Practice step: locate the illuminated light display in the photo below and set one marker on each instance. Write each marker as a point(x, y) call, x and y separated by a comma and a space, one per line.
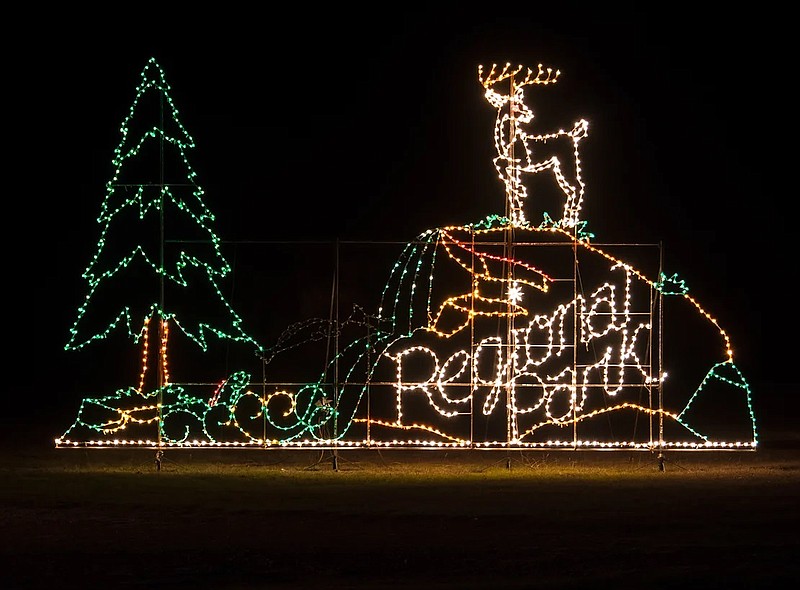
point(132, 282)
point(518, 152)
point(498, 334)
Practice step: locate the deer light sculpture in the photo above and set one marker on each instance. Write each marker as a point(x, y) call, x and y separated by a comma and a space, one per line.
point(520, 152)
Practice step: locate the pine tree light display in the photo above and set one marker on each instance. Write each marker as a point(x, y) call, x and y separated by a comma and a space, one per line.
point(147, 286)
point(496, 334)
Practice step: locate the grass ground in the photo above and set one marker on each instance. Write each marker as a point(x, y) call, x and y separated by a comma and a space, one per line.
point(75, 518)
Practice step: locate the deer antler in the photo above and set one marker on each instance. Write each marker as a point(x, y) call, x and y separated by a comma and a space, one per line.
point(543, 76)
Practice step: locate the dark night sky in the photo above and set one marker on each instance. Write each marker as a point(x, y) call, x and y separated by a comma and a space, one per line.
point(380, 122)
